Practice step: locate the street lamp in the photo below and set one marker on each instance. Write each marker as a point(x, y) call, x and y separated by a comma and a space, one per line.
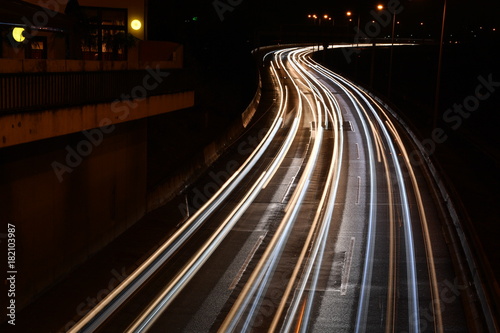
point(315, 17)
point(349, 14)
point(389, 83)
point(440, 62)
point(372, 69)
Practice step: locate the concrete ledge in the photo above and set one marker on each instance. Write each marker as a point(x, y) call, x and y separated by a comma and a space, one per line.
point(34, 65)
point(33, 126)
point(248, 114)
point(11, 66)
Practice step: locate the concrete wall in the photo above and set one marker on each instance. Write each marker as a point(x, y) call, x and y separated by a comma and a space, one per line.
point(211, 152)
point(61, 223)
point(71, 186)
point(167, 54)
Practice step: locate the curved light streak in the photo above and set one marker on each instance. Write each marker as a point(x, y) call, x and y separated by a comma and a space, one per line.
point(104, 309)
point(258, 281)
point(413, 310)
point(161, 302)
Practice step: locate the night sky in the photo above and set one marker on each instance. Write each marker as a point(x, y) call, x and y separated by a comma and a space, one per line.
point(168, 19)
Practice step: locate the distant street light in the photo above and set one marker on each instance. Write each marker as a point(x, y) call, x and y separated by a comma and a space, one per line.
point(314, 16)
point(349, 14)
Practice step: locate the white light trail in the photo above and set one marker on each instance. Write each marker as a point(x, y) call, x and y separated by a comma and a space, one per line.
point(260, 277)
point(413, 310)
point(161, 302)
point(94, 318)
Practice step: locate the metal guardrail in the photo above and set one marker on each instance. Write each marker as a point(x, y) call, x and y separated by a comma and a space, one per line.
point(21, 92)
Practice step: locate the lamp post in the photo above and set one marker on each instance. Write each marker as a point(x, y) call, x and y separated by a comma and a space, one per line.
point(389, 84)
point(314, 17)
point(349, 14)
point(438, 77)
point(372, 68)
point(325, 41)
point(325, 17)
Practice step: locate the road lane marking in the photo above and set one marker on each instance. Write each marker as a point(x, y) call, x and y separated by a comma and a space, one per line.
point(347, 267)
point(358, 197)
point(247, 261)
point(289, 187)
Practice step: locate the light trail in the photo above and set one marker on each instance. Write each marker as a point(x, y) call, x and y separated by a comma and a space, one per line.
point(164, 299)
point(318, 245)
point(368, 262)
point(413, 310)
point(258, 281)
point(304, 86)
point(104, 309)
point(437, 313)
point(320, 237)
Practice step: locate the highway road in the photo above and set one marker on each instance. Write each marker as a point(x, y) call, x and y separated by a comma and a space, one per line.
point(328, 226)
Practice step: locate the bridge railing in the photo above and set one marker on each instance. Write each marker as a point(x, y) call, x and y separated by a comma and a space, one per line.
point(22, 92)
